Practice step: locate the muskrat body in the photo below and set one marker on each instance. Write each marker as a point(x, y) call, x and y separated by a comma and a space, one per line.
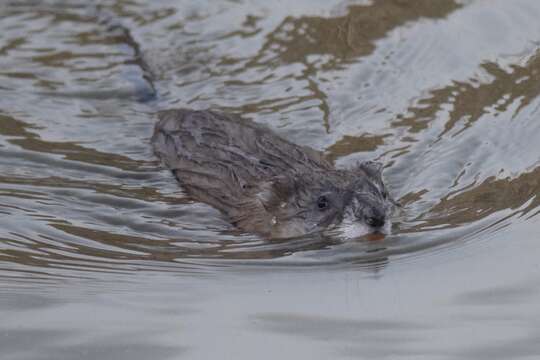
point(265, 184)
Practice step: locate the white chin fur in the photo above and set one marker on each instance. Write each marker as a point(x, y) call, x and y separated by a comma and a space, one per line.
point(354, 229)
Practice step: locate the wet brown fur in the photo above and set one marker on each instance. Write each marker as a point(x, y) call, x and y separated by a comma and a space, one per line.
point(259, 180)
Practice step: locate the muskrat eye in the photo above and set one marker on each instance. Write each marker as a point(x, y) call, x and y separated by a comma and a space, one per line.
point(322, 202)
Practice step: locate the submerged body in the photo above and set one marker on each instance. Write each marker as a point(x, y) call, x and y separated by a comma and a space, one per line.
point(265, 184)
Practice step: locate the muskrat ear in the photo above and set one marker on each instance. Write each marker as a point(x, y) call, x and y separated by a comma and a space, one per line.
point(372, 168)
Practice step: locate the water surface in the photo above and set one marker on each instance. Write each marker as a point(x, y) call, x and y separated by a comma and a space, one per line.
point(102, 255)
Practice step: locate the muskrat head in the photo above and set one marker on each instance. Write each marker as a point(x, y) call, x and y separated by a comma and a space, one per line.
point(352, 202)
point(369, 206)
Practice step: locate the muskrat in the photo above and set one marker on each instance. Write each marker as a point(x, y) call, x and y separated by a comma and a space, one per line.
point(265, 184)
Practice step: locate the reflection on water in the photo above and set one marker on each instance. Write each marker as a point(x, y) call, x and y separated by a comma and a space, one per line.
point(469, 101)
point(349, 36)
point(445, 93)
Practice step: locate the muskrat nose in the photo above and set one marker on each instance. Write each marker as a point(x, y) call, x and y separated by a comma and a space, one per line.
point(375, 221)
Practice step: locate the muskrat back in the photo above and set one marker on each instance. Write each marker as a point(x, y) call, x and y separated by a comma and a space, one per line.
point(264, 183)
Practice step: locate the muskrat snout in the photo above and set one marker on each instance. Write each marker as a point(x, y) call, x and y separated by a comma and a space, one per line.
point(375, 221)
point(375, 215)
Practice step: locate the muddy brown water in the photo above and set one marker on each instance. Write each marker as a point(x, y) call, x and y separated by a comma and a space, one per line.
point(102, 256)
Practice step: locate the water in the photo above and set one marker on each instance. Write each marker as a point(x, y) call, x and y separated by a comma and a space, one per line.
point(103, 256)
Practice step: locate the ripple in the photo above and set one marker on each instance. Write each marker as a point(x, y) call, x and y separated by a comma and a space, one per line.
point(82, 196)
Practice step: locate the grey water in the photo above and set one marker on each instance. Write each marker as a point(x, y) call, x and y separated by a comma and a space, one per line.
point(103, 256)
